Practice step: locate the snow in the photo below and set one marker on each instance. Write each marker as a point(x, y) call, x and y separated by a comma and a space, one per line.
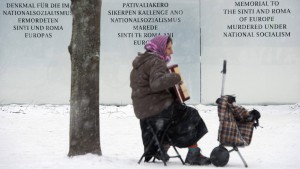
point(37, 137)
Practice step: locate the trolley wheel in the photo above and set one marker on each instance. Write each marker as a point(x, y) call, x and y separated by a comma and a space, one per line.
point(219, 156)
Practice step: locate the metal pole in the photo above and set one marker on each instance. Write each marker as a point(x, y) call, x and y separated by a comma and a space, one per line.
point(246, 165)
point(223, 80)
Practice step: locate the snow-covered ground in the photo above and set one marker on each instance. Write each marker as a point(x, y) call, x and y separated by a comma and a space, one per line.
point(37, 137)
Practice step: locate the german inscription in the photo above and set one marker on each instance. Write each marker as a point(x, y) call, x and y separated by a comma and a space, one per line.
point(37, 20)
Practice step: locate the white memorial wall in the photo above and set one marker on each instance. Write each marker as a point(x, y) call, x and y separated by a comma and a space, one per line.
point(259, 39)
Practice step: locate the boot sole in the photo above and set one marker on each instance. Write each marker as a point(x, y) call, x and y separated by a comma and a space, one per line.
point(196, 163)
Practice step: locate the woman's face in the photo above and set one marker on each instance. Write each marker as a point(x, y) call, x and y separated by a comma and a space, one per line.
point(169, 49)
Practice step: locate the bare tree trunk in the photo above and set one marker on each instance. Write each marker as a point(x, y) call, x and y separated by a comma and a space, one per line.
point(85, 50)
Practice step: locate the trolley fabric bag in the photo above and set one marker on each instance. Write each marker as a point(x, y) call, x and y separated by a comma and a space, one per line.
point(234, 129)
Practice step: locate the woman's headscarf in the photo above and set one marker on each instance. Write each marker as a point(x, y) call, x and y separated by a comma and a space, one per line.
point(158, 45)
